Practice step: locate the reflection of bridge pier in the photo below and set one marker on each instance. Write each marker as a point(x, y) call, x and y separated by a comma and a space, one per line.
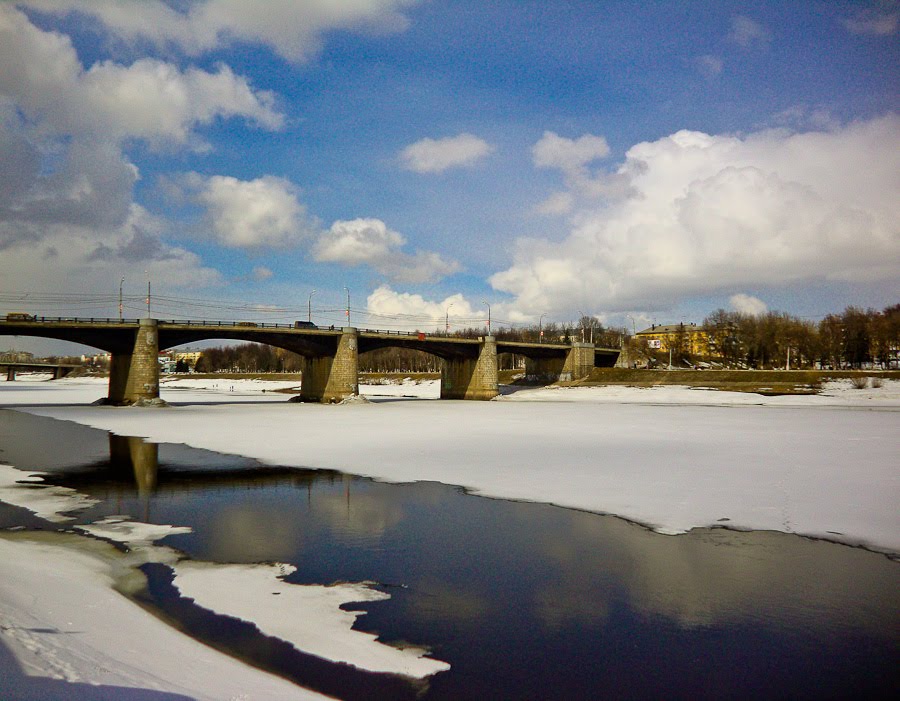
point(331, 356)
point(130, 454)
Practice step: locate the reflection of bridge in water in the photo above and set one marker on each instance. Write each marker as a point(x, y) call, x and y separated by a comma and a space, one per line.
point(134, 464)
point(330, 356)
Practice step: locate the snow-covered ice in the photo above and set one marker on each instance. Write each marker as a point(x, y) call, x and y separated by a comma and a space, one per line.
point(672, 458)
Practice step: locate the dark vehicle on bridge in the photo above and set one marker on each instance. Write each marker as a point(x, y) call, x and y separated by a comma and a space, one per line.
point(247, 323)
point(304, 325)
point(19, 316)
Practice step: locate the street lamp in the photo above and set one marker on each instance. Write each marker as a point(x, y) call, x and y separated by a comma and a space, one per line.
point(484, 301)
point(541, 328)
point(633, 329)
point(581, 319)
point(309, 306)
point(447, 319)
point(348, 305)
point(121, 282)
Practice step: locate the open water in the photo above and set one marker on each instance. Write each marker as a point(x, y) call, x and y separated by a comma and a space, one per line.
point(525, 601)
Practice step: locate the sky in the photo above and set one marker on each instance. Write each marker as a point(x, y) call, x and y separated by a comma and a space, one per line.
point(637, 162)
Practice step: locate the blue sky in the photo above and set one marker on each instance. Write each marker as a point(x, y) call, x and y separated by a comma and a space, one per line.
point(649, 160)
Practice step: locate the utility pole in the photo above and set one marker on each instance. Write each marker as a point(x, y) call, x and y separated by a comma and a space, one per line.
point(447, 319)
point(121, 282)
point(348, 305)
point(148, 293)
point(309, 306)
point(489, 315)
point(541, 328)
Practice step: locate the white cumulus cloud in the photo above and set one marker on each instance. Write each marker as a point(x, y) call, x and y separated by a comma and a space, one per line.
point(149, 99)
point(707, 213)
point(404, 311)
point(709, 66)
point(573, 157)
point(874, 22)
point(371, 242)
point(292, 28)
point(568, 155)
point(748, 32)
point(747, 304)
point(437, 155)
point(264, 212)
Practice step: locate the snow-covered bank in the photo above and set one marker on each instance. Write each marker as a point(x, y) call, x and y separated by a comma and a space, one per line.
point(73, 636)
point(815, 465)
point(836, 393)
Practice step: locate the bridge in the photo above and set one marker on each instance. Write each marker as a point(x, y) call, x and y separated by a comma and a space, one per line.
point(330, 368)
point(58, 369)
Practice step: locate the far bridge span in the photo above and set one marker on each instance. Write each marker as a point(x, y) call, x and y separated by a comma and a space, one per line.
point(331, 355)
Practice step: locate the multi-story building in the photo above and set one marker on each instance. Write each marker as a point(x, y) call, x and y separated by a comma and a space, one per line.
point(689, 338)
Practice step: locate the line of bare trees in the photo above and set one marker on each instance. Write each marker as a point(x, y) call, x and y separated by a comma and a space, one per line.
point(853, 339)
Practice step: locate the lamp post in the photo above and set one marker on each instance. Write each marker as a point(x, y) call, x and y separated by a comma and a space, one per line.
point(581, 319)
point(121, 282)
point(447, 319)
point(489, 315)
point(348, 305)
point(633, 329)
point(309, 306)
point(541, 328)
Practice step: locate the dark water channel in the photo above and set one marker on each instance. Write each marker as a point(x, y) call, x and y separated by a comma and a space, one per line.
point(525, 601)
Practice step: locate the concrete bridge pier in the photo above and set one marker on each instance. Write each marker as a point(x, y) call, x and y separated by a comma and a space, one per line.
point(134, 374)
point(575, 365)
point(472, 378)
point(332, 378)
point(11, 374)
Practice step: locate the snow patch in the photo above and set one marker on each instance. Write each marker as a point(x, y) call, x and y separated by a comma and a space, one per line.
point(309, 617)
point(26, 489)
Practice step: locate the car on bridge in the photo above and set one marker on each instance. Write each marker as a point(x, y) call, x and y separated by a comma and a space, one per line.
point(19, 316)
point(304, 325)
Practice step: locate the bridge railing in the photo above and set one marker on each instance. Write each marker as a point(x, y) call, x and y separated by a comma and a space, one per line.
point(68, 319)
point(252, 325)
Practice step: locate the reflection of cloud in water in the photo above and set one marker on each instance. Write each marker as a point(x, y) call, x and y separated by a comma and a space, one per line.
point(714, 577)
point(252, 532)
point(270, 529)
point(437, 599)
point(356, 512)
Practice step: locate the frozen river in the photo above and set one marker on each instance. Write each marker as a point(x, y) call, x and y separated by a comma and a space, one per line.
point(499, 598)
